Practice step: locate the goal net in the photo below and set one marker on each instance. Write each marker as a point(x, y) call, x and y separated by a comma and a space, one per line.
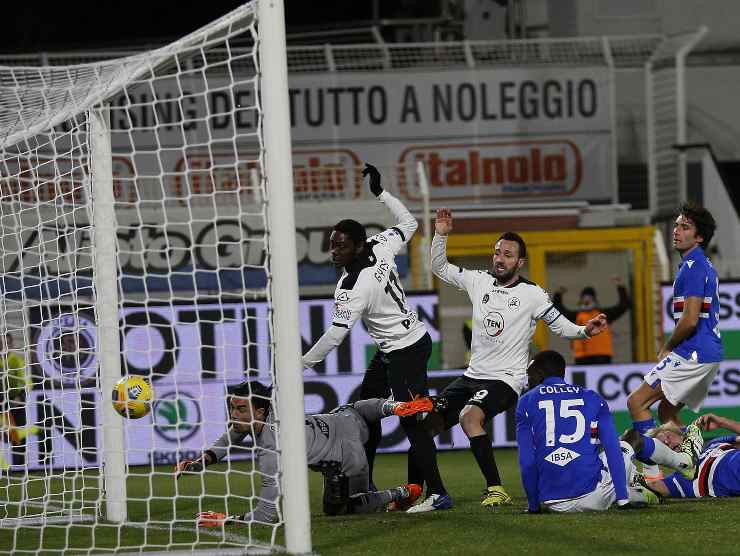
point(134, 228)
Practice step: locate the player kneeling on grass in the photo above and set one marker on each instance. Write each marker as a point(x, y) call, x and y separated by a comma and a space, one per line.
point(561, 430)
point(718, 468)
point(334, 446)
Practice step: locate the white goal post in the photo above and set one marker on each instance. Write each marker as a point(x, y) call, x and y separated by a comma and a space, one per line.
point(147, 228)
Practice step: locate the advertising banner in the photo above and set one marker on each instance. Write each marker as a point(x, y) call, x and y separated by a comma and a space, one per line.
point(729, 315)
point(176, 342)
point(189, 415)
point(180, 249)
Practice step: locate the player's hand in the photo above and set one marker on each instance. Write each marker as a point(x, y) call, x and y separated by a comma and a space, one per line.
point(189, 466)
point(709, 422)
point(372, 171)
point(212, 519)
point(443, 222)
point(596, 325)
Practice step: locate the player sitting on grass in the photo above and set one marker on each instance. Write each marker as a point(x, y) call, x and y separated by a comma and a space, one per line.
point(561, 430)
point(718, 473)
point(334, 446)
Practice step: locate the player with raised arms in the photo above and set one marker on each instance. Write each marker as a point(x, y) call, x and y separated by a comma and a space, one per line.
point(334, 447)
point(690, 358)
point(370, 289)
point(506, 308)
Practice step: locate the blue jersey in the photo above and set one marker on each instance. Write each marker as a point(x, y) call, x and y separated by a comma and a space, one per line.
point(718, 476)
point(697, 278)
point(560, 430)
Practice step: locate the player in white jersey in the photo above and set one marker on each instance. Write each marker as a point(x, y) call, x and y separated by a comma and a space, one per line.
point(369, 289)
point(506, 308)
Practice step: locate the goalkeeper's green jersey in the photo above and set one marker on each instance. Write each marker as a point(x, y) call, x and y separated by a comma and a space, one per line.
point(13, 373)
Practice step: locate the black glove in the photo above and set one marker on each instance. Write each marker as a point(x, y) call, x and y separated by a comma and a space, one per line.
point(372, 171)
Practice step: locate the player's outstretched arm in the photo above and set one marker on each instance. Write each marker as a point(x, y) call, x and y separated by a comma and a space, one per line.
point(710, 422)
point(191, 465)
point(558, 323)
point(213, 455)
point(405, 225)
point(333, 336)
point(441, 267)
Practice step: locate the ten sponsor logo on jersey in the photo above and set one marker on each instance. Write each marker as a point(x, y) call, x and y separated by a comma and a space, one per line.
point(494, 324)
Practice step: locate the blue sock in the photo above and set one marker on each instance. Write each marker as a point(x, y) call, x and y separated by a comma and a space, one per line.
point(643, 426)
point(649, 446)
point(647, 450)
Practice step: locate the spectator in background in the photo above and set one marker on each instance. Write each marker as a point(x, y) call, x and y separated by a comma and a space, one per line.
point(597, 350)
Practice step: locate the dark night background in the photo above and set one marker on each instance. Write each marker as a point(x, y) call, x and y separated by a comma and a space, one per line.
point(31, 26)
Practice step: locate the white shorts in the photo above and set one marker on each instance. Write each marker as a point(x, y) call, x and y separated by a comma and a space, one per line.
point(683, 381)
point(598, 500)
point(604, 495)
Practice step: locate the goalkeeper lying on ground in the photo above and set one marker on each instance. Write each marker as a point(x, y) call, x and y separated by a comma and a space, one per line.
point(718, 471)
point(334, 447)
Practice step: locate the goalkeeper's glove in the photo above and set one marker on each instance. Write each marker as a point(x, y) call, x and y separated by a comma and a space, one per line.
point(192, 465)
point(372, 171)
point(215, 519)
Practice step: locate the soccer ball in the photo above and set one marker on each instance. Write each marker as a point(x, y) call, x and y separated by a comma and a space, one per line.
point(132, 397)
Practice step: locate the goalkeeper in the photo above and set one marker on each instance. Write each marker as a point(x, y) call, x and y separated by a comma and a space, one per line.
point(334, 445)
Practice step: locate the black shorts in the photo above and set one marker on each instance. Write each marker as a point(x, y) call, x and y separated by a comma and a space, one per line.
point(492, 396)
point(402, 372)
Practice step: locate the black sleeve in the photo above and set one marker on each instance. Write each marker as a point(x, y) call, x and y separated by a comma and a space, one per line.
point(557, 301)
point(613, 313)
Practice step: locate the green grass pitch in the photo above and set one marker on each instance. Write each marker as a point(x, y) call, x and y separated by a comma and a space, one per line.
point(677, 527)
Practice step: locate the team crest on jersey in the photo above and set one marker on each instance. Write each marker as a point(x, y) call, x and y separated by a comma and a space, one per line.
point(494, 324)
point(486, 298)
point(343, 297)
point(562, 456)
point(514, 303)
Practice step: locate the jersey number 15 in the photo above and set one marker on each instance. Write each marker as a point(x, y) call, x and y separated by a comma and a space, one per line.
point(566, 411)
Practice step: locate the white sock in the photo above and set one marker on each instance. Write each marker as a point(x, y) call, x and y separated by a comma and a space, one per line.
point(652, 471)
point(665, 456)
